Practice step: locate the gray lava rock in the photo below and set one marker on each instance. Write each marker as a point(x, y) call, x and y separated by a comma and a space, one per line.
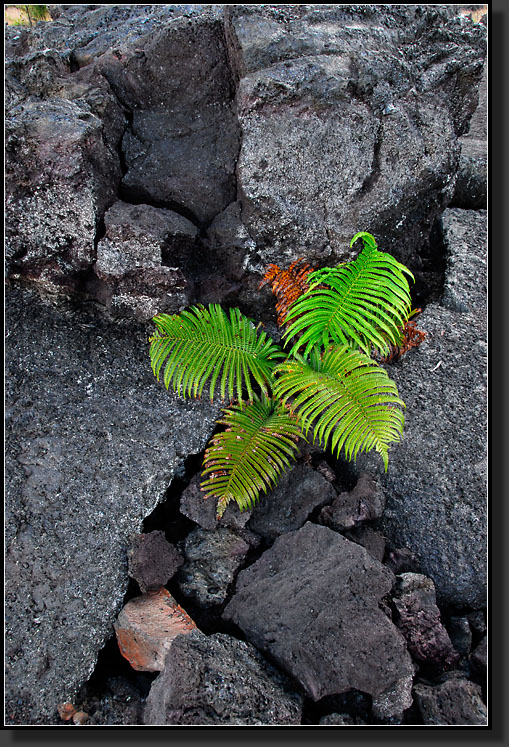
point(418, 619)
point(218, 680)
point(364, 503)
point(479, 658)
point(138, 260)
point(436, 481)
point(471, 183)
point(203, 510)
point(212, 558)
point(60, 176)
point(460, 634)
point(350, 117)
point(340, 719)
point(92, 443)
point(457, 702)
point(289, 504)
point(371, 539)
point(312, 602)
point(152, 561)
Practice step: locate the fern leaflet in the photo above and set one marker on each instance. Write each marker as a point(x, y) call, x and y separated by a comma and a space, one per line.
point(248, 457)
point(365, 302)
point(345, 398)
point(202, 345)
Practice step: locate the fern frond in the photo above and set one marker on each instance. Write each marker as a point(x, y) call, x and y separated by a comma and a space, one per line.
point(365, 302)
point(345, 398)
point(411, 338)
point(202, 345)
point(249, 456)
point(287, 285)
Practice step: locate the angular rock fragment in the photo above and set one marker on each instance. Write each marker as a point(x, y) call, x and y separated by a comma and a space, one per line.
point(219, 680)
point(372, 540)
point(146, 627)
point(289, 504)
point(456, 702)
point(60, 176)
point(312, 602)
point(418, 618)
point(212, 559)
point(201, 510)
point(152, 560)
point(460, 634)
point(364, 503)
point(479, 658)
point(137, 272)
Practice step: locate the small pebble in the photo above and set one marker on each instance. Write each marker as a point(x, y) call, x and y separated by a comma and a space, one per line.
point(80, 717)
point(66, 711)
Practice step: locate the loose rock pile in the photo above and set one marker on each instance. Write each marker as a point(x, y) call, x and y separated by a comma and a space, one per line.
point(159, 156)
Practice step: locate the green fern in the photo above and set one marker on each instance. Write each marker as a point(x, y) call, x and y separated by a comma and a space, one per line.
point(364, 302)
point(248, 457)
point(331, 390)
point(203, 345)
point(345, 398)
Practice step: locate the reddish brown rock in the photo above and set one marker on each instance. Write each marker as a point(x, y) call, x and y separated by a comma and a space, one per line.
point(418, 618)
point(146, 627)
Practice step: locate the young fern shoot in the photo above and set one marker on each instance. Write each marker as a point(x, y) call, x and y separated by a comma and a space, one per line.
point(324, 387)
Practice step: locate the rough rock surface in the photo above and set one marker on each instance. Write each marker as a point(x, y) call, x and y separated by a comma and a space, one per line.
point(204, 511)
point(152, 561)
point(349, 118)
point(146, 627)
point(311, 122)
point(418, 618)
point(454, 703)
point(436, 482)
point(212, 558)
point(137, 266)
point(371, 539)
point(218, 680)
point(311, 602)
point(364, 503)
point(471, 183)
point(290, 503)
point(92, 443)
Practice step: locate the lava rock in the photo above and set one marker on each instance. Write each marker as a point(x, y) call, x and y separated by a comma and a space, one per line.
point(220, 680)
point(460, 634)
point(137, 264)
point(418, 618)
point(212, 559)
point(436, 482)
point(364, 503)
point(340, 719)
point(471, 183)
point(311, 602)
point(371, 539)
point(203, 511)
point(456, 702)
point(349, 117)
point(61, 175)
point(152, 561)
point(479, 659)
point(285, 508)
point(92, 443)
point(147, 625)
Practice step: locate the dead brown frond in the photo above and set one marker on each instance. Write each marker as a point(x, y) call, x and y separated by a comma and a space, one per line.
point(287, 285)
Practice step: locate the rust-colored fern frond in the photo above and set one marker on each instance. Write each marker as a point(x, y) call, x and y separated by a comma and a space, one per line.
point(411, 338)
point(287, 285)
